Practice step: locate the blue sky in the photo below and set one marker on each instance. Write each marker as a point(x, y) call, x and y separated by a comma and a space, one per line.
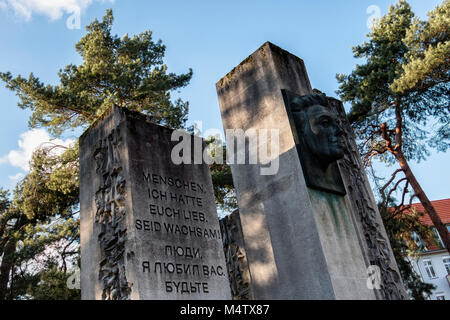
point(211, 37)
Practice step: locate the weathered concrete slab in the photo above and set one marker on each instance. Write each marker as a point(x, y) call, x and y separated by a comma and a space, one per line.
point(149, 228)
point(302, 240)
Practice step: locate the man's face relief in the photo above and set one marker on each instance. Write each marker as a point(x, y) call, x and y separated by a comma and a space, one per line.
point(322, 134)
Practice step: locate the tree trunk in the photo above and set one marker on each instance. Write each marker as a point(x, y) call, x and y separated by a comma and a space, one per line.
point(2, 240)
point(11, 286)
point(5, 268)
point(426, 203)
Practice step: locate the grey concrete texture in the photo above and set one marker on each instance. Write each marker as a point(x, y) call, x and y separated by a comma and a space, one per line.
point(172, 243)
point(281, 238)
point(236, 257)
point(299, 245)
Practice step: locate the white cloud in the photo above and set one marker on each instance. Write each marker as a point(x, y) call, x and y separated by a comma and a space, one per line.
point(28, 143)
point(54, 9)
point(15, 178)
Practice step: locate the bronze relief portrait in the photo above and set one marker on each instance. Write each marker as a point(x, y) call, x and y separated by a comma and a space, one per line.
point(318, 136)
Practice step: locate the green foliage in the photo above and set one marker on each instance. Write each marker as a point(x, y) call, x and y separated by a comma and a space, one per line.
point(399, 225)
point(368, 85)
point(223, 185)
point(405, 76)
point(427, 61)
point(128, 72)
point(43, 216)
point(4, 200)
point(23, 280)
point(425, 74)
point(5, 216)
point(400, 108)
point(51, 187)
point(42, 220)
point(52, 285)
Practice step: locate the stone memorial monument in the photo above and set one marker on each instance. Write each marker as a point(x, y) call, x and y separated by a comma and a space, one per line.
point(149, 227)
point(311, 230)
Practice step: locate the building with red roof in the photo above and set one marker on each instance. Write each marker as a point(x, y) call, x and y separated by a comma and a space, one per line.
point(442, 207)
point(433, 264)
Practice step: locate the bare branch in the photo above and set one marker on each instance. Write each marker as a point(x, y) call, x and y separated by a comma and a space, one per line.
point(411, 199)
point(390, 181)
point(395, 187)
point(405, 191)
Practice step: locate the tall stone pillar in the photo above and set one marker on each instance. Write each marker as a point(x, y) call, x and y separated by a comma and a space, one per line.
point(149, 227)
point(309, 233)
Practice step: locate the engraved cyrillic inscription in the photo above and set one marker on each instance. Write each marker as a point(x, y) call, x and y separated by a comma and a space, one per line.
point(176, 210)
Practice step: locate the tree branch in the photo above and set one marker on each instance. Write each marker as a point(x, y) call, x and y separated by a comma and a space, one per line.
point(395, 187)
point(390, 181)
point(386, 137)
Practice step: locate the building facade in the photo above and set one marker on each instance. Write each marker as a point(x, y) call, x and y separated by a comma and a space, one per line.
point(433, 264)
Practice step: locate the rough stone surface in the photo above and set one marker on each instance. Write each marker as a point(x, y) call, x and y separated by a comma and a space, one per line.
point(235, 256)
point(340, 245)
point(367, 219)
point(300, 243)
point(149, 228)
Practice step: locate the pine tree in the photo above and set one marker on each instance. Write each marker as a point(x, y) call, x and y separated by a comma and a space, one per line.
point(127, 72)
point(399, 225)
point(44, 213)
point(400, 95)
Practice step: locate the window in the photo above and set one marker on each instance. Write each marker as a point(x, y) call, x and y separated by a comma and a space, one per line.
point(436, 233)
point(447, 264)
point(429, 269)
